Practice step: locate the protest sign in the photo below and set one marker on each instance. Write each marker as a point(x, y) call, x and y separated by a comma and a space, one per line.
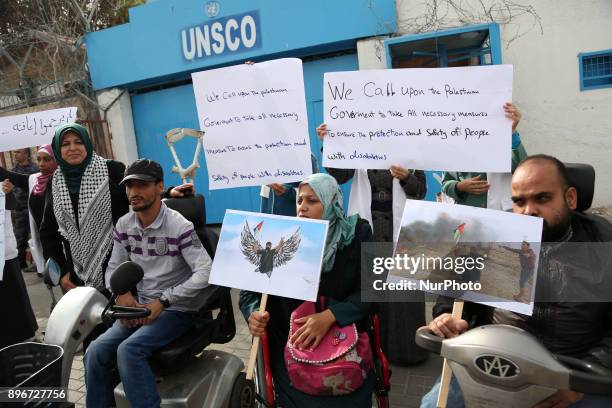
point(475, 254)
point(429, 119)
point(32, 129)
point(270, 254)
point(255, 123)
point(2, 226)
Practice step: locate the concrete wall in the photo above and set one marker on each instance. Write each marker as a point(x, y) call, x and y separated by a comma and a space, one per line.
point(558, 118)
point(118, 108)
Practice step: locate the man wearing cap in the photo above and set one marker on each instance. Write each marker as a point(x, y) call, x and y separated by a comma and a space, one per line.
point(176, 269)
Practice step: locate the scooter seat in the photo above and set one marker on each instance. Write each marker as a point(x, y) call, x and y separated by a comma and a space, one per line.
point(174, 355)
point(206, 330)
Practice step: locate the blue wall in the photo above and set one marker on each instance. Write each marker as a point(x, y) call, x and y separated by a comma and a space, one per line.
point(159, 111)
point(149, 48)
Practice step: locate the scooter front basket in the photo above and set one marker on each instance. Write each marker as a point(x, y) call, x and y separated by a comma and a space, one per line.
point(32, 365)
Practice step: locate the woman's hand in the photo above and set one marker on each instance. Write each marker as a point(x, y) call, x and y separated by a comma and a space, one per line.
point(278, 188)
point(512, 112)
point(7, 186)
point(322, 131)
point(182, 190)
point(258, 322)
point(66, 283)
point(314, 328)
point(399, 172)
point(473, 185)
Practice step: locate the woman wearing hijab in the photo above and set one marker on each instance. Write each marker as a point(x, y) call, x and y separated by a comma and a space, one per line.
point(18, 320)
point(36, 185)
point(379, 196)
point(83, 203)
point(319, 197)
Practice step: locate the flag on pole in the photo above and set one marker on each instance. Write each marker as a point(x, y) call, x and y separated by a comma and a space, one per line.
point(257, 229)
point(459, 232)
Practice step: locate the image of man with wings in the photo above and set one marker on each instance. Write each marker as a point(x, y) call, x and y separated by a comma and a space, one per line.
point(268, 258)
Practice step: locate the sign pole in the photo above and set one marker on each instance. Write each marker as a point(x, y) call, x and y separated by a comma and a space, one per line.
point(446, 369)
point(255, 345)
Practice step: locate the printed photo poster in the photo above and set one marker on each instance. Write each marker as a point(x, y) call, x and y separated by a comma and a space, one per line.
point(448, 119)
point(255, 123)
point(476, 254)
point(270, 254)
point(32, 129)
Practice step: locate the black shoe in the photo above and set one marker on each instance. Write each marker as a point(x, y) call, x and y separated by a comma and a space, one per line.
point(31, 268)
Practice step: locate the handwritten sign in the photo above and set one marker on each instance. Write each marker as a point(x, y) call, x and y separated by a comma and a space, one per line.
point(430, 119)
point(32, 129)
point(255, 124)
point(2, 219)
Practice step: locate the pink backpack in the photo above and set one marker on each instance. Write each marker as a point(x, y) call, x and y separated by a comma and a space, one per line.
point(339, 364)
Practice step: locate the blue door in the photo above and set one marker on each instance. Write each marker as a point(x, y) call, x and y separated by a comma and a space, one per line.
point(156, 112)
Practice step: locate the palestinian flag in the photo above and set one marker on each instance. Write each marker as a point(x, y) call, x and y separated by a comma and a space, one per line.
point(257, 229)
point(459, 232)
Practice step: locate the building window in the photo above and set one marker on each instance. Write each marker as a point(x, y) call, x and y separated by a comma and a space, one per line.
point(595, 70)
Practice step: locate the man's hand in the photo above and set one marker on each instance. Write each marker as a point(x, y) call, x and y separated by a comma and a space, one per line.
point(156, 307)
point(446, 326)
point(322, 131)
point(473, 186)
point(258, 322)
point(66, 283)
point(128, 300)
point(561, 399)
point(399, 172)
point(314, 328)
point(513, 113)
point(279, 189)
point(7, 186)
point(182, 190)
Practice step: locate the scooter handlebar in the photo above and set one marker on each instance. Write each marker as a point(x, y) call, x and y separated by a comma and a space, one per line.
point(124, 312)
point(584, 377)
point(587, 377)
point(424, 338)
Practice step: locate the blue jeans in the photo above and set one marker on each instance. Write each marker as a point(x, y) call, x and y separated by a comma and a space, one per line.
point(131, 348)
point(455, 398)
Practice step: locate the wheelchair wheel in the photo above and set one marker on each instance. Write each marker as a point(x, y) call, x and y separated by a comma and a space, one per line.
point(243, 393)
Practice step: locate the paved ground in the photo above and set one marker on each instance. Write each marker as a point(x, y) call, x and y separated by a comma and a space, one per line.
point(409, 383)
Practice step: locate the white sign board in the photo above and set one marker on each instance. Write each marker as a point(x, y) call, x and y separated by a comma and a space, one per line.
point(429, 119)
point(270, 254)
point(2, 218)
point(32, 129)
point(255, 123)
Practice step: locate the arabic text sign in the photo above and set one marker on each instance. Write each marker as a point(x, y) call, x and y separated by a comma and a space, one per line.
point(32, 129)
point(430, 119)
point(255, 124)
point(2, 226)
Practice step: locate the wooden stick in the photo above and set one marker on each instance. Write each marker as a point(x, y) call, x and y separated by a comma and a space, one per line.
point(446, 369)
point(255, 346)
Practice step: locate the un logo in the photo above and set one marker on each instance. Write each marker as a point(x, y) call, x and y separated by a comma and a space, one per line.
point(212, 9)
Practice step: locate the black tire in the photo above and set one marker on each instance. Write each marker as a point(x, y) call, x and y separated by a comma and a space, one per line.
point(243, 393)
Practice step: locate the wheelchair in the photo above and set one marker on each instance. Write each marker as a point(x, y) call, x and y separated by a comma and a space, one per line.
point(264, 383)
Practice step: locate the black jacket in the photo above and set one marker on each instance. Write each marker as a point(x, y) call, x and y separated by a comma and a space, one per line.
point(578, 329)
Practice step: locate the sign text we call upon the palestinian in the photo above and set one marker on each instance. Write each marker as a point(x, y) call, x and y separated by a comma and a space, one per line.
point(430, 119)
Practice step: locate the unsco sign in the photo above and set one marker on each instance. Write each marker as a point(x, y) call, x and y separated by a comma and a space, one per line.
point(226, 34)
